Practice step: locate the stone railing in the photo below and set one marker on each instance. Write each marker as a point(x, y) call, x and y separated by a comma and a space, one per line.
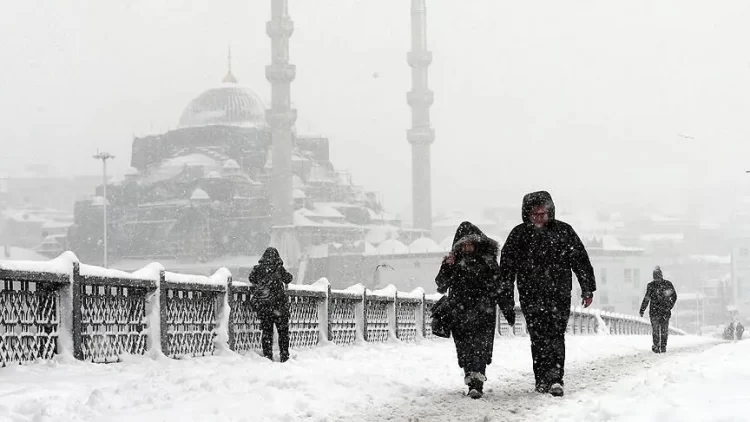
point(101, 315)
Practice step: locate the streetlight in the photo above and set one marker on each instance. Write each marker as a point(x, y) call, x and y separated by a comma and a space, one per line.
point(104, 156)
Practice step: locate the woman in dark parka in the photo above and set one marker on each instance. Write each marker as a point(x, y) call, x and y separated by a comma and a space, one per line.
point(470, 272)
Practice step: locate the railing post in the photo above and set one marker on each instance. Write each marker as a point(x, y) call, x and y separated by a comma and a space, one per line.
point(420, 319)
point(323, 317)
point(77, 317)
point(231, 340)
point(329, 309)
point(222, 314)
point(393, 317)
point(364, 314)
point(163, 313)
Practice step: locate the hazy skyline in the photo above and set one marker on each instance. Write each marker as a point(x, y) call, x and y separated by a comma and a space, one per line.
point(587, 100)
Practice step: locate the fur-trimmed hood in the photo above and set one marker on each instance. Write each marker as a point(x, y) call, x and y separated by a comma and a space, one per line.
point(468, 232)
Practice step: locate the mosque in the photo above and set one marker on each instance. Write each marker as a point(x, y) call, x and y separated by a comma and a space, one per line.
point(236, 176)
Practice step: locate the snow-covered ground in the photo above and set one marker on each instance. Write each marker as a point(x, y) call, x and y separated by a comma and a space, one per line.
point(608, 378)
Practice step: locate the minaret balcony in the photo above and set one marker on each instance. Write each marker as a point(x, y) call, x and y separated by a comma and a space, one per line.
point(280, 28)
point(419, 58)
point(281, 73)
point(420, 98)
point(424, 135)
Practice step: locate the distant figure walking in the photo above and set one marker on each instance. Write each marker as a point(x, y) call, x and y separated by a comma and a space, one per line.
point(662, 296)
point(470, 272)
point(268, 281)
point(541, 254)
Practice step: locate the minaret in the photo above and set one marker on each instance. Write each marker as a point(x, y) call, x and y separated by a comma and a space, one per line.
point(281, 117)
point(421, 135)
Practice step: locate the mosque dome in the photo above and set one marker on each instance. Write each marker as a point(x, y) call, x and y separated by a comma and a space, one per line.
point(229, 105)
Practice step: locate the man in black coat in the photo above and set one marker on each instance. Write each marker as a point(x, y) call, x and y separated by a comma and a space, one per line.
point(662, 296)
point(540, 254)
point(269, 300)
point(470, 272)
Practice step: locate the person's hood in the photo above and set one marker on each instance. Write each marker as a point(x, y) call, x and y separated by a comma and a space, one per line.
point(468, 232)
point(271, 258)
point(535, 199)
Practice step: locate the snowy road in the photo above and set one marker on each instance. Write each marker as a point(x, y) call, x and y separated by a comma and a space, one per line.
point(370, 382)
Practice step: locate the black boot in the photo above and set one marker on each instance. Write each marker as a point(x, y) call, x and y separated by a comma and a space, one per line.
point(542, 388)
point(556, 389)
point(475, 389)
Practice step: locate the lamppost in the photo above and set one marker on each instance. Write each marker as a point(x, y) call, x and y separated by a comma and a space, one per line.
point(104, 156)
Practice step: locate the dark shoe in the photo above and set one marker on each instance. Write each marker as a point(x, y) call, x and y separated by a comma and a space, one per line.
point(663, 350)
point(269, 357)
point(283, 358)
point(542, 388)
point(556, 390)
point(475, 388)
point(655, 349)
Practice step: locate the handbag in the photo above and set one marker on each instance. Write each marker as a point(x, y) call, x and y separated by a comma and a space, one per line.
point(442, 318)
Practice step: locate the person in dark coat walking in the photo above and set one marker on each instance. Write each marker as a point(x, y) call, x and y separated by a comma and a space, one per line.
point(540, 254)
point(269, 300)
point(662, 296)
point(470, 272)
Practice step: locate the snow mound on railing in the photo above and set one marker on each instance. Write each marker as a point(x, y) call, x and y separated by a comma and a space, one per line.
point(414, 294)
point(95, 271)
point(389, 291)
point(319, 286)
point(149, 272)
point(434, 296)
point(63, 264)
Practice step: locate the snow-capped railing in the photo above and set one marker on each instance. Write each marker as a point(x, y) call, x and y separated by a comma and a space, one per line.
point(101, 315)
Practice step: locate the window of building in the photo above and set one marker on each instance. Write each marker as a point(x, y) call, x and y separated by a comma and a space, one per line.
point(636, 277)
point(603, 276)
point(628, 275)
point(604, 299)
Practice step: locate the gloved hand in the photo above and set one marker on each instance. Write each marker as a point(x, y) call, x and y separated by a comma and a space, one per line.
point(641, 314)
point(587, 298)
point(508, 308)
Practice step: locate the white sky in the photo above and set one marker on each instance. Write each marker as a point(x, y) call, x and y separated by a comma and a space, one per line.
point(586, 99)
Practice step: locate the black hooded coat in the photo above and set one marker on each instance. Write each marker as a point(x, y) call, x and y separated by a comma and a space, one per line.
point(268, 282)
point(540, 260)
point(473, 283)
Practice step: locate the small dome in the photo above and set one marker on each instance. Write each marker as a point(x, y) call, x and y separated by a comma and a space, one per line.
point(424, 245)
point(228, 105)
point(231, 165)
point(379, 234)
point(392, 247)
point(199, 195)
